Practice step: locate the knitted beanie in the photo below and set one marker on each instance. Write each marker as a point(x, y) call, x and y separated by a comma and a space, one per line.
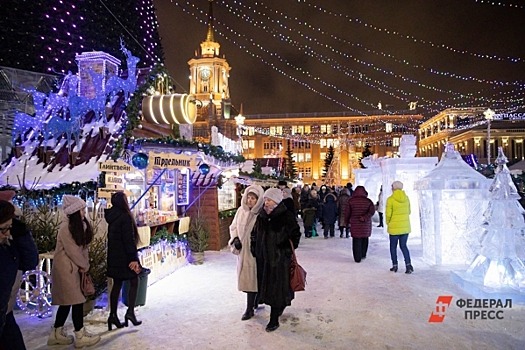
point(274, 194)
point(72, 204)
point(397, 185)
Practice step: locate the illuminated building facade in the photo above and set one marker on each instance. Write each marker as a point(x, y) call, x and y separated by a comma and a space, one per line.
point(311, 134)
point(467, 129)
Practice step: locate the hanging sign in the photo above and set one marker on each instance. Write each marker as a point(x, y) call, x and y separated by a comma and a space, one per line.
point(118, 167)
point(171, 161)
point(117, 181)
point(107, 192)
point(182, 189)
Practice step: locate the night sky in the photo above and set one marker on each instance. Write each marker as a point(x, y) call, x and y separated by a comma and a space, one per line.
point(347, 55)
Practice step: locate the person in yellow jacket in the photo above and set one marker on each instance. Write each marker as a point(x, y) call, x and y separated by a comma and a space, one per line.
point(397, 216)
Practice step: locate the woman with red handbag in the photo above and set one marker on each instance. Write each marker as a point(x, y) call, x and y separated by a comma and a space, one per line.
point(275, 227)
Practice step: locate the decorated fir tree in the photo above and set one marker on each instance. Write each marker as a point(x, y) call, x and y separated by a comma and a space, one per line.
point(290, 170)
point(328, 160)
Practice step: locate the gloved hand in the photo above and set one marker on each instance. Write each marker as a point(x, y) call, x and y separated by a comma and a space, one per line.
point(237, 243)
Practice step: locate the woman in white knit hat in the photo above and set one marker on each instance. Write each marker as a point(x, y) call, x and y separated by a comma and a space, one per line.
point(275, 227)
point(70, 258)
point(240, 230)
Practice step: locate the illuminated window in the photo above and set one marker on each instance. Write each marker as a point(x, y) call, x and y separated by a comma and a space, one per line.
point(276, 130)
point(388, 127)
point(395, 141)
point(300, 157)
point(326, 129)
point(307, 157)
point(307, 172)
point(307, 129)
point(323, 143)
point(251, 144)
point(332, 142)
point(323, 155)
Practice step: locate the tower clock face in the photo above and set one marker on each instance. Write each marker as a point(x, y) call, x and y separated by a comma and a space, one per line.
point(205, 74)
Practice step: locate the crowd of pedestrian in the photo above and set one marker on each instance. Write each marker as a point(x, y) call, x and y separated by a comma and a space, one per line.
point(270, 220)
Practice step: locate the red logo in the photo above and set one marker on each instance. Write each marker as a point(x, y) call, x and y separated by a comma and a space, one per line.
point(438, 315)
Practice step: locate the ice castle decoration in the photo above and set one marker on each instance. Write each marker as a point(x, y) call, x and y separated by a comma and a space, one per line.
point(499, 266)
point(407, 169)
point(452, 199)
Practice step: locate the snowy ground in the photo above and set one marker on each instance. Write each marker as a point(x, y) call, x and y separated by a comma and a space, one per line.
point(346, 306)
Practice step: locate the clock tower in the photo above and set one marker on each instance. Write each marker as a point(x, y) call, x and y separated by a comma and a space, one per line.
point(209, 75)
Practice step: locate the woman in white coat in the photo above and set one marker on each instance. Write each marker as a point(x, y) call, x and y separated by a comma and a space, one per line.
point(240, 230)
point(380, 207)
point(70, 258)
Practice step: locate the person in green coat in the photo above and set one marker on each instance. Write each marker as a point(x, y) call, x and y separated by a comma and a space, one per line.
point(397, 217)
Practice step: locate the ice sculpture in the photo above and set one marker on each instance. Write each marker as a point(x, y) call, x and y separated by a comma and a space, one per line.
point(498, 266)
point(452, 199)
point(407, 169)
point(370, 177)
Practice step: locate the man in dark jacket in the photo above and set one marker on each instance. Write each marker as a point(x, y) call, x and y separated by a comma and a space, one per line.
point(329, 214)
point(17, 252)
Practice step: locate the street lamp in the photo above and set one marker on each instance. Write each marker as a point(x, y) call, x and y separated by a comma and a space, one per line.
point(489, 115)
point(239, 120)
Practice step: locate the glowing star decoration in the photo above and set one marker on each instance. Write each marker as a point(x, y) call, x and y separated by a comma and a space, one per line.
point(204, 169)
point(140, 161)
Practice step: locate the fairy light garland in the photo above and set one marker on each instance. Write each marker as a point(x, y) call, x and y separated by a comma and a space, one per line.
point(412, 38)
point(309, 51)
point(499, 3)
point(254, 22)
point(429, 106)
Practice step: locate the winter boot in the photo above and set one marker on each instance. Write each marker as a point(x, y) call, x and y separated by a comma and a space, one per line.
point(274, 319)
point(393, 268)
point(59, 336)
point(84, 338)
point(409, 269)
point(250, 306)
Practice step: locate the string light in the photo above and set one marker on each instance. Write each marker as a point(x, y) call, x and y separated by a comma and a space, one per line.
point(235, 11)
point(499, 3)
point(458, 99)
point(412, 38)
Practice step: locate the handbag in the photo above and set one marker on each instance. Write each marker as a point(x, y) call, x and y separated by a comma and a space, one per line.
point(86, 284)
point(297, 273)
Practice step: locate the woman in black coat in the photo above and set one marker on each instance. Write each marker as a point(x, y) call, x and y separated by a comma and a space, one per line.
point(123, 261)
point(275, 227)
